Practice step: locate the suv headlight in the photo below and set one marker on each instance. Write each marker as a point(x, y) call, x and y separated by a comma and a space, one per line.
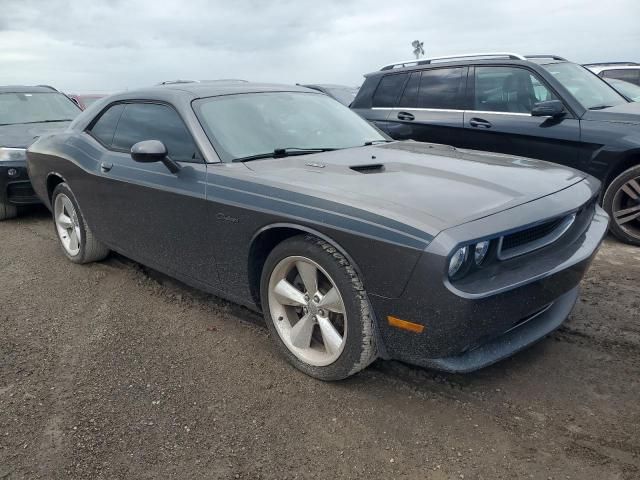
point(12, 154)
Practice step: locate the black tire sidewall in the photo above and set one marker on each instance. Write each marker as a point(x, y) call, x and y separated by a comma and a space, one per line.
point(607, 203)
point(355, 304)
point(64, 188)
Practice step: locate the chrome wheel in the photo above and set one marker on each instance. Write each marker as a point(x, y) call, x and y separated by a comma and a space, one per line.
point(67, 225)
point(307, 310)
point(626, 207)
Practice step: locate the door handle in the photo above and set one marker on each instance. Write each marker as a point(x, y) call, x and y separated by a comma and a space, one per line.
point(106, 166)
point(479, 123)
point(405, 116)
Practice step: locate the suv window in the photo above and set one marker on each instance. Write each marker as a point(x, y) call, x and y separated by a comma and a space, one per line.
point(150, 121)
point(389, 90)
point(628, 75)
point(508, 89)
point(104, 128)
point(441, 88)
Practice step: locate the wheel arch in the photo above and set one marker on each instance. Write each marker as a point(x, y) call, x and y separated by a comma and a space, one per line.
point(53, 180)
point(265, 240)
point(631, 159)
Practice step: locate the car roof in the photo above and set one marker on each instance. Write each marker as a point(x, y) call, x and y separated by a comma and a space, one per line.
point(326, 85)
point(203, 90)
point(27, 89)
point(611, 66)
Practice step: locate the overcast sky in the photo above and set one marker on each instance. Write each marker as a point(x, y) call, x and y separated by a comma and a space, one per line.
point(109, 45)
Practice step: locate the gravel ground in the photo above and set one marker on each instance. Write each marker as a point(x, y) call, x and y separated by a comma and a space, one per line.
point(113, 371)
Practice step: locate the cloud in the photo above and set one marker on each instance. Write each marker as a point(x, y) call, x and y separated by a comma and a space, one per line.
point(113, 45)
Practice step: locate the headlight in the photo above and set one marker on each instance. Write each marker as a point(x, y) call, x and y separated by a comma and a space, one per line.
point(12, 154)
point(457, 261)
point(481, 251)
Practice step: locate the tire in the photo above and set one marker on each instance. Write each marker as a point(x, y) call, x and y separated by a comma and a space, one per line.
point(619, 197)
point(326, 358)
point(89, 249)
point(7, 211)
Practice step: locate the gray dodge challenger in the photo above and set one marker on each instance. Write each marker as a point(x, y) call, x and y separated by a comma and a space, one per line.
point(352, 246)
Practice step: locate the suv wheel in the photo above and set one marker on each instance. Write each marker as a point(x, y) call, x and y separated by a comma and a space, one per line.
point(76, 239)
point(316, 309)
point(622, 203)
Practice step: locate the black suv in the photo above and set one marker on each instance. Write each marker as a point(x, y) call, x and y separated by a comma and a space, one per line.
point(539, 106)
point(25, 114)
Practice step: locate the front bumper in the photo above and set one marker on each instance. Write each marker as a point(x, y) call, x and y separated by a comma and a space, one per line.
point(15, 186)
point(473, 324)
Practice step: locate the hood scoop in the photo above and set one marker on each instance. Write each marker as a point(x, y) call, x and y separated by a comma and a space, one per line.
point(370, 168)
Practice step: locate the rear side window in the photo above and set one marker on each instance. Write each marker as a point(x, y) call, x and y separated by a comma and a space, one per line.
point(150, 121)
point(105, 127)
point(442, 88)
point(410, 95)
point(628, 75)
point(364, 97)
point(389, 90)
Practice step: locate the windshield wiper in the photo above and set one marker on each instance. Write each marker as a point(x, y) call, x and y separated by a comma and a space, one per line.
point(600, 107)
point(375, 142)
point(283, 152)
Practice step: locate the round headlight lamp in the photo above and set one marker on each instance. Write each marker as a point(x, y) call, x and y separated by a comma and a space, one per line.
point(457, 261)
point(481, 250)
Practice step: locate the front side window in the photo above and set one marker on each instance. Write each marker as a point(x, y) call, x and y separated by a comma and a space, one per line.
point(150, 121)
point(508, 89)
point(249, 124)
point(389, 90)
point(592, 92)
point(20, 108)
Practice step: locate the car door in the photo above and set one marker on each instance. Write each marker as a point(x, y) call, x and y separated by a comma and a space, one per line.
point(431, 107)
point(500, 120)
point(145, 211)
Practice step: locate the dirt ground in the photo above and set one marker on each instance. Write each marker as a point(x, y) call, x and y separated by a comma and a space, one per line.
point(112, 371)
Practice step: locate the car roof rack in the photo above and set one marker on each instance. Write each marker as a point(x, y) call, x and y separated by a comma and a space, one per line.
point(552, 56)
point(427, 61)
point(606, 64)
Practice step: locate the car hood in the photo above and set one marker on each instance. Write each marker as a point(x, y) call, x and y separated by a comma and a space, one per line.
point(626, 112)
point(23, 135)
point(428, 186)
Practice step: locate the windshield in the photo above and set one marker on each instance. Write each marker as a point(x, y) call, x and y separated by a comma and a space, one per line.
point(258, 123)
point(587, 88)
point(629, 90)
point(18, 108)
point(343, 95)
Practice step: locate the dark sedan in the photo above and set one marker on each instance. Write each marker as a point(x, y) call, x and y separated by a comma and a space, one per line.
point(25, 114)
point(353, 246)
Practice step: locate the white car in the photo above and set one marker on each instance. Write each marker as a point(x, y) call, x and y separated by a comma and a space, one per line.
point(626, 71)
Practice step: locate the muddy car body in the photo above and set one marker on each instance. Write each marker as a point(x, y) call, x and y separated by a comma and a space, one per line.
point(353, 246)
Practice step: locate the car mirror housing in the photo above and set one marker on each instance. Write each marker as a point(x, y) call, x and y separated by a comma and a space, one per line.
point(550, 108)
point(149, 151)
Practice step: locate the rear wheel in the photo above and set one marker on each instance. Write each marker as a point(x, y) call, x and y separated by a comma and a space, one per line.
point(7, 211)
point(76, 239)
point(622, 203)
point(316, 309)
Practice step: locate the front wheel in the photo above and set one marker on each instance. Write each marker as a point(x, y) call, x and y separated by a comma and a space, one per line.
point(622, 203)
point(76, 238)
point(317, 309)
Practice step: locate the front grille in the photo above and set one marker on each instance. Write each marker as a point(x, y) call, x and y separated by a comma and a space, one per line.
point(21, 192)
point(533, 238)
point(530, 234)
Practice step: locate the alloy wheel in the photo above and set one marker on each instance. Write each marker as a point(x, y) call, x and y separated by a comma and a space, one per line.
point(626, 207)
point(67, 225)
point(307, 310)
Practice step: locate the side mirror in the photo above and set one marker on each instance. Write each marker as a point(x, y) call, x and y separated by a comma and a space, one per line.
point(149, 151)
point(550, 108)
